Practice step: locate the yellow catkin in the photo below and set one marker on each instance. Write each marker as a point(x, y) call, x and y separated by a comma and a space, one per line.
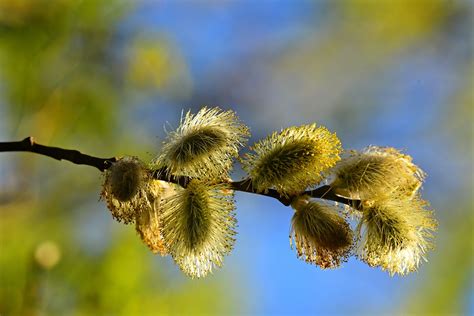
point(293, 159)
point(395, 233)
point(148, 221)
point(204, 145)
point(198, 227)
point(124, 188)
point(319, 234)
point(376, 172)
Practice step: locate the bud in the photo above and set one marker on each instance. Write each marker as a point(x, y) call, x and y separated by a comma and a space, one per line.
point(204, 145)
point(293, 159)
point(320, 235)
point(124, 188)
point(198, 227)
point(148, 221)
point(395, 233)
point(376, 172)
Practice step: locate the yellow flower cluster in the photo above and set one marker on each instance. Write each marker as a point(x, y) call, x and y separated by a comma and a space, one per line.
point(195, 222)
point(195, 225)
point(395, 229)
point(143, 205)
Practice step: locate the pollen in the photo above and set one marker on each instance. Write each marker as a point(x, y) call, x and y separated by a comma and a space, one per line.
point(293, 159)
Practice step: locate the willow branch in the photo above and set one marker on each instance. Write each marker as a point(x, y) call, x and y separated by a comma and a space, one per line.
point(324, 192)
point(29, 145)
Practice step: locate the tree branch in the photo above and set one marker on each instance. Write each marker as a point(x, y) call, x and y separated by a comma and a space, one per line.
point(28, 145)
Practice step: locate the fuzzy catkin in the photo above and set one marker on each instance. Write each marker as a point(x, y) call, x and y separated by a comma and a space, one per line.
point(190, 216)
point(148, 221)
point(395, 233)
point(293, 159)
point(376, 172)
point(204, 145)
point(124, 188)
point(319, 234)
point(198, 227)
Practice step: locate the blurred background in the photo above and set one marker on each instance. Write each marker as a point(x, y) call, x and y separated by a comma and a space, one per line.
point(109, 77)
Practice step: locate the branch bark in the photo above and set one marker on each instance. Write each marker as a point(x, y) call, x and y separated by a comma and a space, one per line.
point(29, 145)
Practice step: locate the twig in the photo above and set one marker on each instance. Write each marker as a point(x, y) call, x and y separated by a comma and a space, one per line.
point(29, 145)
